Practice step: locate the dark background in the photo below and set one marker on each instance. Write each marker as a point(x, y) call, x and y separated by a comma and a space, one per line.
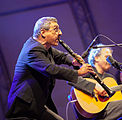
point(17, 19)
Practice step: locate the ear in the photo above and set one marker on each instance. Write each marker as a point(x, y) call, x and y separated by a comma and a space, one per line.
point(97, 58)
point(43, 33)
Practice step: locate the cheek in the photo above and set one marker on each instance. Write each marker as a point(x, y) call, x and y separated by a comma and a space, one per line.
point(50, 38)
point(107, 66)
point(104, 64)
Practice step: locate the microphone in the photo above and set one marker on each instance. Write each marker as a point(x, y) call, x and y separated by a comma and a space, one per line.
point(89, 48)
point(114, 63)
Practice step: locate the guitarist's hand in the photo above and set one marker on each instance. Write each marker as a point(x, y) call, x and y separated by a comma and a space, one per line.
point(84, 69)
point(99, 90)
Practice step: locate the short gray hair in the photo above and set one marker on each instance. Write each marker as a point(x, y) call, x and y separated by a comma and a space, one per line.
point(43, 23)
point(95, 52)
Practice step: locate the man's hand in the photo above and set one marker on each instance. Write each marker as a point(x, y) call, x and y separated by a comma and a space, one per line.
point(99, 90)
point(84, 69)
point(76, 63)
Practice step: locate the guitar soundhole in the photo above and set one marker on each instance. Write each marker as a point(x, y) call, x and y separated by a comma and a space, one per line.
point(103, 98)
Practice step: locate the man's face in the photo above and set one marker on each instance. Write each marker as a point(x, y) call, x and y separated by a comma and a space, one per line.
point(101, 60)
point(53, 34)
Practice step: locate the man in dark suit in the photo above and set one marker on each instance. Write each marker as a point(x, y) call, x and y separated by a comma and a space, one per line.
point(35, 73)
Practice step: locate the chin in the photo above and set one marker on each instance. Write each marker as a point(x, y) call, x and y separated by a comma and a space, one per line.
point(107, 69)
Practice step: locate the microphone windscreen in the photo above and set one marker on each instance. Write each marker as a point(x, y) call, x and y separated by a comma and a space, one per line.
point(110, 60)
point(114, 63)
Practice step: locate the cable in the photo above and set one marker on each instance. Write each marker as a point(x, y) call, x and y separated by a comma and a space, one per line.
point(108, 39)
point(67, 107)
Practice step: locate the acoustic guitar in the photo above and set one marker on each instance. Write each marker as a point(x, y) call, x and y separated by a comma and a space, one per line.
point(89, 106)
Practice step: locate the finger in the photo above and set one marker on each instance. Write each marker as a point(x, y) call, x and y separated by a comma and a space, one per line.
point(89, 68)
point(104, 93)
point(91, 71)
point(88, 65)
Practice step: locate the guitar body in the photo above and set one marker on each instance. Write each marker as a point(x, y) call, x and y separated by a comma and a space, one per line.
point(88, 106)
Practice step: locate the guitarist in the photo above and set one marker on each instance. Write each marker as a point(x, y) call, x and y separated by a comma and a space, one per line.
point(97, 59)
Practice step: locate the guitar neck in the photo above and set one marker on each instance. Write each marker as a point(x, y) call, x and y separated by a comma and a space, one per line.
point(116, 88)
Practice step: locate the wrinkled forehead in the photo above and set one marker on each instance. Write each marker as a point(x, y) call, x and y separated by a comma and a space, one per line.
point(54, 24)
point(106, 52)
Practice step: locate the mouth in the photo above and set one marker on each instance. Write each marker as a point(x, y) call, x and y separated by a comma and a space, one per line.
point(58, 38)
point(57, 41)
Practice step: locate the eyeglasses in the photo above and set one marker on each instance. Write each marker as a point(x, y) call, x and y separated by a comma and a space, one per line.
point(56, 29)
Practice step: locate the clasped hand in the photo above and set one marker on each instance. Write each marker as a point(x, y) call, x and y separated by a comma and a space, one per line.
point(84, 69)
point(99, 90)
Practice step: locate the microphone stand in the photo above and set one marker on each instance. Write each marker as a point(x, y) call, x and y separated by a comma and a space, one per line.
point(102, 46)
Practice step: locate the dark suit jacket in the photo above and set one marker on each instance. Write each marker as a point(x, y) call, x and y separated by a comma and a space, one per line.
point(35, 73)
